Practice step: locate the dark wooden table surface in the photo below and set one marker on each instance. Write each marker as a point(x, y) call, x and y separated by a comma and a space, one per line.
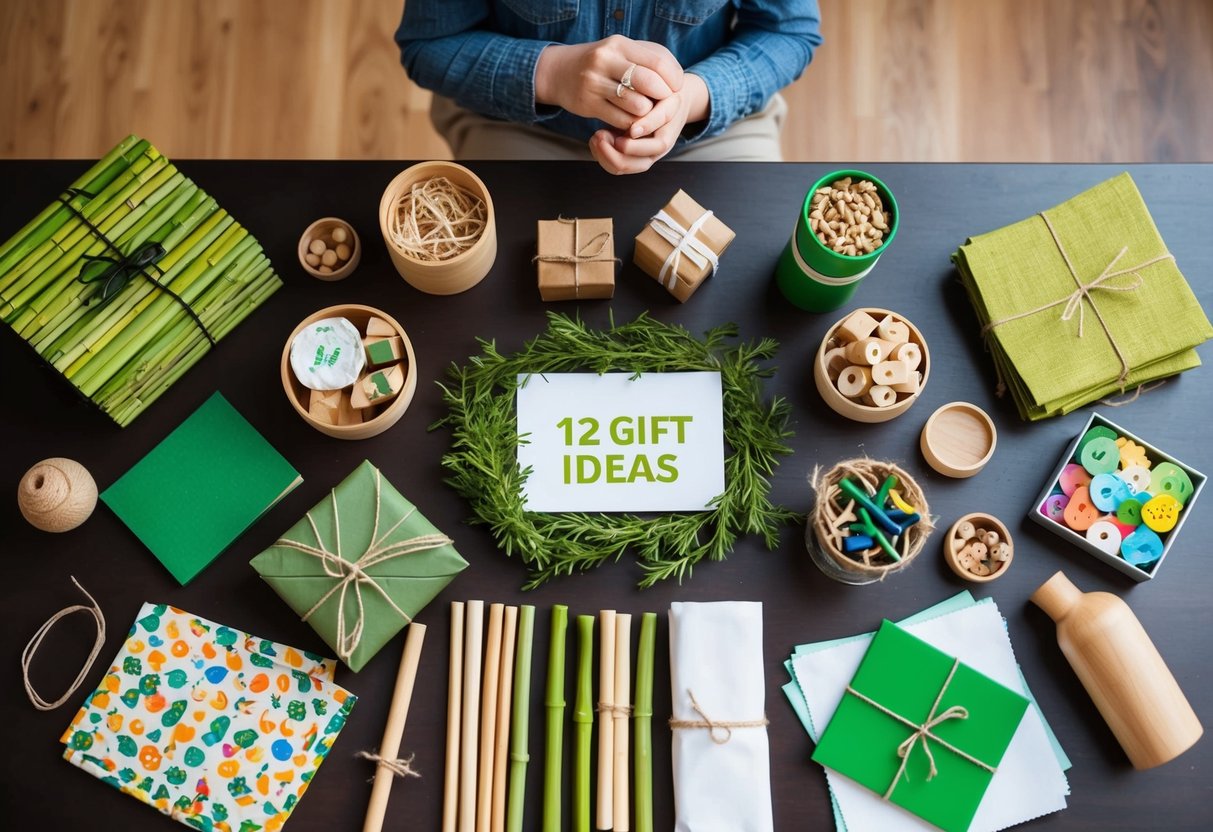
point(941, 205)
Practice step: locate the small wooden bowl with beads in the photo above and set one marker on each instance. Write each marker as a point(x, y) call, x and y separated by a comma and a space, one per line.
point(979, 548)
point(330, 249)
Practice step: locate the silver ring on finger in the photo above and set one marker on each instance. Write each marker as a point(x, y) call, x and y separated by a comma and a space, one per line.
point(625, 83)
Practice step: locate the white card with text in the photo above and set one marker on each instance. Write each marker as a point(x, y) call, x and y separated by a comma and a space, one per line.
point(601, 443)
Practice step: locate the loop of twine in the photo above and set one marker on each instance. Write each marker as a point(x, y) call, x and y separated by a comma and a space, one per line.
point(923, 733)
point(725, 727)
point(123, 267)
point(27, 655)
point(1073, 301)
point(436, 220)
point(353, 573)
point(617, 711)
point(685, 242)
point(400, 768)
point(580, 255)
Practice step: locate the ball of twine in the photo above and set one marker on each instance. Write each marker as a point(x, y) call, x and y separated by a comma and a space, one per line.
point(57, 495)
point(435, 220)
point(833, 511)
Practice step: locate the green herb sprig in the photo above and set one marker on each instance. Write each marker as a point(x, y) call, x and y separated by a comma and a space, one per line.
point(482, 462)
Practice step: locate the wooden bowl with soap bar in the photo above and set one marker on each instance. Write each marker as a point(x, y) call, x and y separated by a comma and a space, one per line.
point(437, 221)
point(330, 249)
point(389, 375)
point(872, 365)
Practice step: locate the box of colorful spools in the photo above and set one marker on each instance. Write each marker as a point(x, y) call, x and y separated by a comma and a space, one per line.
point(1119, 498)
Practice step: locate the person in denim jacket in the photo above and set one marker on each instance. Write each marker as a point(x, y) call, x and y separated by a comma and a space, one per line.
point(624, 81)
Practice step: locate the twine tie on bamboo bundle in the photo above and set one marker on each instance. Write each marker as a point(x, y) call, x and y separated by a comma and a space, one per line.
point(713, 726)
point(924, 733)
point(400, 768)
point(437, 220)
point(685, 242)
point(581, 254)
point(27, 655)
point(120, 269)
point(1073, 302)
point(354, 573)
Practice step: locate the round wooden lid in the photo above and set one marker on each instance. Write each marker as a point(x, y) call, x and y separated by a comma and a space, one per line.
point(959, 439)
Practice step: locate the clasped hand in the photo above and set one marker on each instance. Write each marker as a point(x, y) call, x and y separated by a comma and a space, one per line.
point(645, 120)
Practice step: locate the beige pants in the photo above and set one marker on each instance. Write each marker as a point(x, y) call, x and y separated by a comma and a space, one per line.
point(473, 136)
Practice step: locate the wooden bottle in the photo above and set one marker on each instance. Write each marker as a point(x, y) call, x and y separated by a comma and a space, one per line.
point(1122, 671)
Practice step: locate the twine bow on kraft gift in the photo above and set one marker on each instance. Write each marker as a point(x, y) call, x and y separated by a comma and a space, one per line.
point(924, 733)
point(1073, 302)
point(352, 574)
point(114, 273)
point(581, 254)
point(685, 242)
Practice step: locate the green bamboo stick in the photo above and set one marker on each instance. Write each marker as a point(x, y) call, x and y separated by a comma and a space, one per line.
point(642, 726)
point(99, 176)
point(583, 723)
point(553, 767)
point(520, 721)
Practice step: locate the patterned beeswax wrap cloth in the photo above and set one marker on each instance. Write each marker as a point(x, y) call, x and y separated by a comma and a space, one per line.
point(1151, 315)
point(215, 727)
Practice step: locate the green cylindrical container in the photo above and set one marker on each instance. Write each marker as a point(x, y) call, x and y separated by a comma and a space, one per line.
point(817, 278)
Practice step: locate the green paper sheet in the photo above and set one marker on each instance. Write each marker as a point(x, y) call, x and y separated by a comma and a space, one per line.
point(906, 675)
point(411, 580)
point(1048, 368)
point(201, 488)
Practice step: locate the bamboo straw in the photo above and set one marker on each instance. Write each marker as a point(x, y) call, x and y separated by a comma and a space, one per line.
point(552, 761)
point(520, 723)
point(606, 724)
point(643, 728)
point(389, 746)
point(454, 713)
point(488, 718)
point(505, 692)
point(469, 733)
point(583, 723)
point(623, 683)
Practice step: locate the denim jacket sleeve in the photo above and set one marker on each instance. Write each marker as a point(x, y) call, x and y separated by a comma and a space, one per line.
point(772, 44)
point(444, 50)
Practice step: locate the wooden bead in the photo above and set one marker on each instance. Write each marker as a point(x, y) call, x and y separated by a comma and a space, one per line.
point(57, 495)
point(881, 396)
point(854, 381)
point(966, 531)
point(909, 354)
point(836, 362)
point(329, 258)
point(911, 385)
point(857, 326)
point(889, 373)
point(867, 352)
point(311, 259)
point(340, 235)
point(891, 329)
point(343, 251)
point(317, 247)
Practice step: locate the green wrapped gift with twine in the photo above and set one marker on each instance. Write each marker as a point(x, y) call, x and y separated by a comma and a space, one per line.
point(360, 565)
point(1082, 301)
point(921, 729)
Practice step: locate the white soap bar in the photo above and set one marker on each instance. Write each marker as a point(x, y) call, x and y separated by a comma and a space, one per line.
point(328, 354)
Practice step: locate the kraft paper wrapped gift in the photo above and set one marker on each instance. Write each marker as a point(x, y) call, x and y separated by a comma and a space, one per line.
point(576, 259)
point(921, 728)
point(1082, 301)
point(360, 565)
point(681, 245)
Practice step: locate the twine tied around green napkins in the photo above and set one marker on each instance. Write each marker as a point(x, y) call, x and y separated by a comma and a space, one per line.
point(581, 254)
point(1073, 301)
point(353, 573)
point(924, 733)
point(714, 725)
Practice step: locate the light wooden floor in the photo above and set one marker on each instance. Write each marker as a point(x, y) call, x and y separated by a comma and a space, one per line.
point(898, 80)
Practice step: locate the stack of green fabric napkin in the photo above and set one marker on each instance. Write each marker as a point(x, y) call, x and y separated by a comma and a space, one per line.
point(1122, 317)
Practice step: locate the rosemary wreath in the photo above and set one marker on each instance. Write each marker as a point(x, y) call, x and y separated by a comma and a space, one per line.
point(482, 461)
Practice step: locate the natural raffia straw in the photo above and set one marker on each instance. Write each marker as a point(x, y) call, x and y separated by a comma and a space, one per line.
point(832, 513)
point(436, 220)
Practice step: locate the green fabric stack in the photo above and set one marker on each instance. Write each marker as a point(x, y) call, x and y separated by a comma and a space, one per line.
point(1058, 346)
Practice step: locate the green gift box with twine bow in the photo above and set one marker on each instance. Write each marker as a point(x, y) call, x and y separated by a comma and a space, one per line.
point(360, 565)
point(921, 729)
point(1082, 301)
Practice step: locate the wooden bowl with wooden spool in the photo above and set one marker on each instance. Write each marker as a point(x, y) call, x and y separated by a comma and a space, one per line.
point(431, 194)
point(979, 547)
point(333, 235)
point(381, 417)
point(879, 358)
point(833, 511)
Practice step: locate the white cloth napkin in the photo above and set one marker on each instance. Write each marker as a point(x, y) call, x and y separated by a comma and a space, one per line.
point(716, 655)
point(1029, 782)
